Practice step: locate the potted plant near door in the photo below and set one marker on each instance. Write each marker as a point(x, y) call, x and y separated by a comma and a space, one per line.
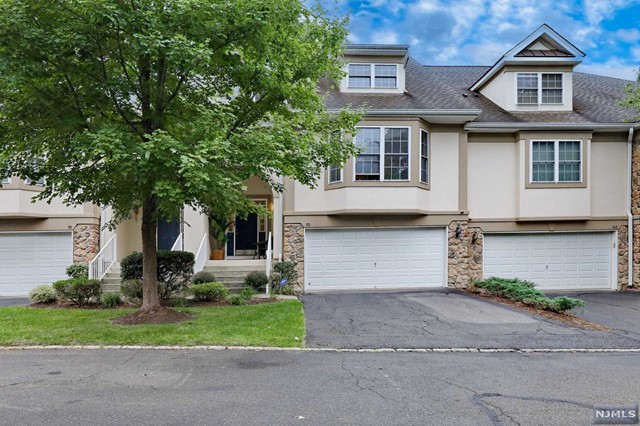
point(218, 230)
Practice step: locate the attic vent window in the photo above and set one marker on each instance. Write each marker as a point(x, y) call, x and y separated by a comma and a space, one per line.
point(539, 88)
point(366, 76)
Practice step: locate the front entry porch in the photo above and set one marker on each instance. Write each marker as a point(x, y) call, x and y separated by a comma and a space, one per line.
point(247, 237)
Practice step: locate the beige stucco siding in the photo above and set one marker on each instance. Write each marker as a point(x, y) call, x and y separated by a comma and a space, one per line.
point(492, 180)
point(18, 203)
point(608, 179)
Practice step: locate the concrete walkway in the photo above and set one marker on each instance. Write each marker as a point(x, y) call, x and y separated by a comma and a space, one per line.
point(441, 319)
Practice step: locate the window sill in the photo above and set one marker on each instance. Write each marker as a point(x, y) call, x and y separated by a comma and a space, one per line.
point(554, 185)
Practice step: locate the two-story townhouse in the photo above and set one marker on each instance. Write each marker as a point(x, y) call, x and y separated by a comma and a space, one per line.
point(520, 169)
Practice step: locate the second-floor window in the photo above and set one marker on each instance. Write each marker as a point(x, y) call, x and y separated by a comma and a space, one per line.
point(384, 154)
point(556, 161)
point(539, 88)
point(424, 156)
point(335, 174)
point(363, 76)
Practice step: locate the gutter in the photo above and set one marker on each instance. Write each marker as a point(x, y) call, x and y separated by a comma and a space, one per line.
point(629, 210)
point(510, 127)
point(414, 112)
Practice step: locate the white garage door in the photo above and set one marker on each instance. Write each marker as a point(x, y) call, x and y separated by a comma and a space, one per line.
point(347, 259)
point(562, 261)
point(33, 258)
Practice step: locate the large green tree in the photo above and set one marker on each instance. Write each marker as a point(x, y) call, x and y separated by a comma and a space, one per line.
point(632, 98)
point(154, 104)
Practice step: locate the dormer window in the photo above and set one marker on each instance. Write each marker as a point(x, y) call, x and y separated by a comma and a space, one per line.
point(364, 76)
point(539, 88)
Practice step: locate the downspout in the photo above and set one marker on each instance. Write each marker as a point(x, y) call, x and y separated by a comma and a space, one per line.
point(629, 212)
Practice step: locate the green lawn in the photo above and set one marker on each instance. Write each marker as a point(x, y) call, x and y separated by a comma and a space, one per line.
point(269, 324)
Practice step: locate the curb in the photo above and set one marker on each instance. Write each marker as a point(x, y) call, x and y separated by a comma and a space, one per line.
point(325, 350)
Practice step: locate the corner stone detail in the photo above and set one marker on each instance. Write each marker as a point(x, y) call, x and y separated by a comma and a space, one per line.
point(294, 249)
point(623, 252)
point(465, 254)
point(86, 242)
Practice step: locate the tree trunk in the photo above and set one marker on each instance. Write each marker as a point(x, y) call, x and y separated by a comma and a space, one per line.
point(150, 297)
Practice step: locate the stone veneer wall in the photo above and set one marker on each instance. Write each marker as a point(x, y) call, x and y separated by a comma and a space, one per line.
point(294, 249)
point(86, 242)
point(635, 211)
point(465, 254)
point(623, 252)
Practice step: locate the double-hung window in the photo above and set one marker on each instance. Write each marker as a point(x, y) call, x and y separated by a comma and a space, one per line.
point(373, 76)
point(539, 88)
point(384, 154)
point(556, 161)
point(424, 156)
point(335, 174)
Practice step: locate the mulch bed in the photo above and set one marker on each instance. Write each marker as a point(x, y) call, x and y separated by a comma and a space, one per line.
point(565, 318)
point(166, 303)
point(200, 304)
point(159, 315)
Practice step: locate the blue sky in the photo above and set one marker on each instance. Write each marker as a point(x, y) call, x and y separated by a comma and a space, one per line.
point(478, 32)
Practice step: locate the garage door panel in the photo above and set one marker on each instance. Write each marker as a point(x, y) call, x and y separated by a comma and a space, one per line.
point(385, 258)
point(31, 259)
point(552, 261)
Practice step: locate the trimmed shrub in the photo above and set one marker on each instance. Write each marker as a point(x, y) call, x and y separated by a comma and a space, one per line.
point(110, 300)
point(257, 280)
point(179, 302)
point(132, 290)
point(282, 270)
point(43, 294)
point(247, 293)
point(525, 292)
point(78, 270)
point(209, 291)
point(203, 277)
point(78, 291)
point(237, 300)
point(174, 269)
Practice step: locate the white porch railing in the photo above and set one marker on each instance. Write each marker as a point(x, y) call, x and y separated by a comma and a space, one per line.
point(106, 257)
point(268, 257)
point(203, 254)
point(177, 246)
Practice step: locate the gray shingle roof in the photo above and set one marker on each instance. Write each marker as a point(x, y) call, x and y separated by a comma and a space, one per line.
point(595, 98)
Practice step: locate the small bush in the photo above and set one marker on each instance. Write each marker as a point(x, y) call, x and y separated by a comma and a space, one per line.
point(563, 303)
point(286, 271)
point(257, 280)
point(110, 300)
point(209, 291)
point(43, 294)
point(203, 277)
point(131, 290)
point(179, 302)
point(247, 293)
point(174, 269)
point(525, 292)
point(237, 300)
point(79, 270)
point(79, 291)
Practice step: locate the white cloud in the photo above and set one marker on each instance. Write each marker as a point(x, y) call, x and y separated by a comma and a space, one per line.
point(630, 36)
point(613, 68)
point(385, 37)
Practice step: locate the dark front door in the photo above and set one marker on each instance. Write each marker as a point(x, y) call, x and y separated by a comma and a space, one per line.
point(168, 231)
point(246, 234)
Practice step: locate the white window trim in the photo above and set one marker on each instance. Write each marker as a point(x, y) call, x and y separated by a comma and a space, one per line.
point(382, 154)
point(5, 181)
point(556, 161)
point(426, 155)
point(373, 76)
point(329, 175)
point(539, 74)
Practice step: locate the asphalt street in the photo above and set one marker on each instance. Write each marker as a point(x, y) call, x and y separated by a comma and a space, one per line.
point(231, 387)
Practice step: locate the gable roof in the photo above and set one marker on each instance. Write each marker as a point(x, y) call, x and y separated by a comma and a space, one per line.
point(431, 88)
point(532, 50)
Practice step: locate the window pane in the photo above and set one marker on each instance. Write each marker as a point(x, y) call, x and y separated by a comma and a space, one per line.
point(385, 76)
point(569, 161)
point(542, 162)
point(368, 161)
point(424, 160)
point(551, 96)
point(527, 88)
point(359, 75)
point(551, 88)
point(335, 174)
point(396, 161)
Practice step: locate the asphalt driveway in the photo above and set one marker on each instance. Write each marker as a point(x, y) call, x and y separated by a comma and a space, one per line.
point(13, 301)
point(446, 318)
